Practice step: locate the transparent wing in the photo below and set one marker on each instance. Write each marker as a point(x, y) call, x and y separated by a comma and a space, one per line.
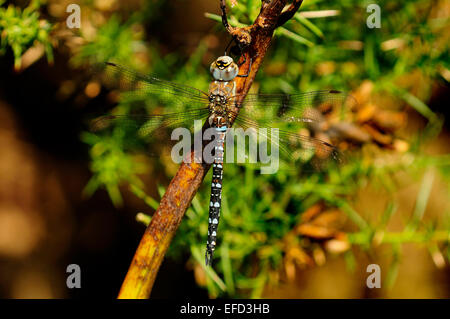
point(294, 146)
point(297, 117)
point(305, 107)
point(138, 86)
point(138, 130)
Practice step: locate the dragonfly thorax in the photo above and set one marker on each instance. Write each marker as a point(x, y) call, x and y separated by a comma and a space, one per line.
point(219, 100)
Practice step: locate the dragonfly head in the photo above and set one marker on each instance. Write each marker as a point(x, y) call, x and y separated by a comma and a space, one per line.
point(224, 69)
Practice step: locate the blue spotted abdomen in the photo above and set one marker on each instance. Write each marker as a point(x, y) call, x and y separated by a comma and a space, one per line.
point(216, 195)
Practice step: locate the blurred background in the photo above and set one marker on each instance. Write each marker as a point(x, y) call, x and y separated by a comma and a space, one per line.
point(68, 196)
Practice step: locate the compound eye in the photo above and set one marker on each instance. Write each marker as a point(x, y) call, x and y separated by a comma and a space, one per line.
point(222, 64)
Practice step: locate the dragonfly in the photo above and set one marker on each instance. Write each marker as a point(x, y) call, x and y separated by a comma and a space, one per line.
point(219, 107)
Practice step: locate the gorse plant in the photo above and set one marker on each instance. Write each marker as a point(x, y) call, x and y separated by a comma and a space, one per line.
point(22, 29)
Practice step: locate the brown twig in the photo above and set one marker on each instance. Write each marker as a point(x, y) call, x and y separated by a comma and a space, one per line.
point(223, 8)
point(289, 12)
point(142, 273)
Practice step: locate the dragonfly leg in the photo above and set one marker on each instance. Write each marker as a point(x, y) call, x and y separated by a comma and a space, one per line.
point(228, 45)
point(249, 69)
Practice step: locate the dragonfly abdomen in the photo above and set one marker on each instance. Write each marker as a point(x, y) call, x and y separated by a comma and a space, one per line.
point(216, 195)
